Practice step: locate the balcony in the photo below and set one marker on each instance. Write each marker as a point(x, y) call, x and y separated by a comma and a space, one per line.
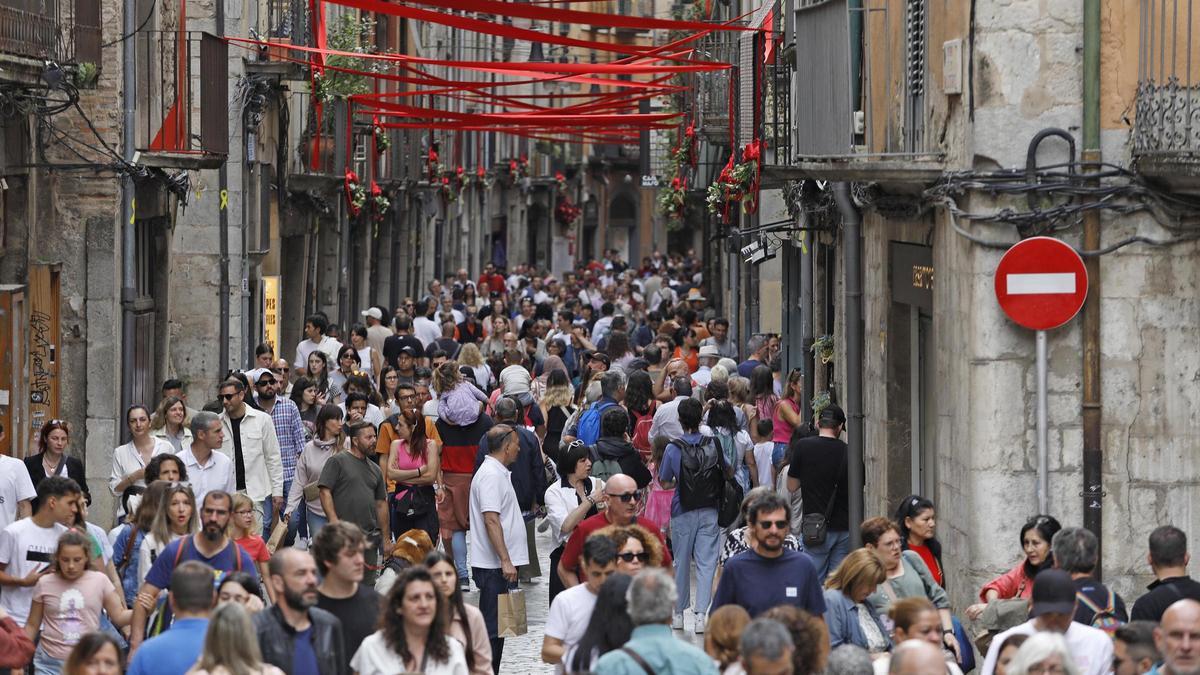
point(712, 88)
point(1166, 128)
point(182, 90)
point(644, 8)
point(312, 163)
point(870, 125)
point(287, 23)
point(63, 31)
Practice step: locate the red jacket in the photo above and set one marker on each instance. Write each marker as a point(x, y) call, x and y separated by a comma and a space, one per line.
point(16, 649)
point(1012, 584)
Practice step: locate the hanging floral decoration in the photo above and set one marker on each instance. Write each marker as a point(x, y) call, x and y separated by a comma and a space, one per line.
point(382, 140)
point(356, 193)
point(672, 201)
point(484, 178)
point(447, 189)
point(738, 182)
point(561, 181)
point(566, 213)
point(460, 179)
point(672, 197)
point(432, 168)
point(379, 202)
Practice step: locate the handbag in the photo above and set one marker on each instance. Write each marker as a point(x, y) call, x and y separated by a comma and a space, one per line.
point(814, 527)
point(511, 620)
point(312, 492)
point(731, 495)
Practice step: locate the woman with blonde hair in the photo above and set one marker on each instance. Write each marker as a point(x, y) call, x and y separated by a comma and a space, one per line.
point(170, 423)
point(1043, 653)
point(469, 355)
point(231, 645)
point(175, 518)
point(723, 636)
point(558, 405)
point(851, 620)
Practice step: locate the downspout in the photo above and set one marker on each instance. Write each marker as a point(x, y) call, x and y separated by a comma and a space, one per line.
point(1093, 453)
point(852, 261)
point(806, 322)
point(223, 230)
point(128, 229)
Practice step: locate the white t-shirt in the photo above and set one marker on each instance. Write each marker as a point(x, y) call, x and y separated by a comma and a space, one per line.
point(374, 657)
point(15, 487)
point(426, 331)
point(1091, 648)
point(762, 459)
point(492, 492)
point(569, 616)
point(25, 547)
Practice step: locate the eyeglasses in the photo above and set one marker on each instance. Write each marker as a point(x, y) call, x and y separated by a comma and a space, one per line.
point(642, 557)
point(776, 524)
point(227, 397)
point(626, 497)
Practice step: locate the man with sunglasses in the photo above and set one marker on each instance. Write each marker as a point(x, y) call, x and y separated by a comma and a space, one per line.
point(289, 430)
point(769, 575)
point(251, 442)
point(623, 499)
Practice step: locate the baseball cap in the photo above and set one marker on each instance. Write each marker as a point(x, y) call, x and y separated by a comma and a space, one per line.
point(374, 313)
point(411, 351)
point(1053, 592)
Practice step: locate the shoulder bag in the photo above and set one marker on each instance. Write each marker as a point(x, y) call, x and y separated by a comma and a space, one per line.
point(814, 527)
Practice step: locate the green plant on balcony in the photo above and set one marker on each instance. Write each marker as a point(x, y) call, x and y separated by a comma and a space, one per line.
point(820, 402)
point(345, 34)
point(672, 202)
point(86, 74)
point(822, 348)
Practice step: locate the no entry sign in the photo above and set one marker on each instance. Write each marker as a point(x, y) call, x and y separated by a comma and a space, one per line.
point(1041, 283)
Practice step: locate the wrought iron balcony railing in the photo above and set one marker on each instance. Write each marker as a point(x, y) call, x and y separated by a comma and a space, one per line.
point(1167, 121)
point(63, 31)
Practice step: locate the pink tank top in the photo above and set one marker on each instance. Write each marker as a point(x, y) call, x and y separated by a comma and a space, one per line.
point(405, 462)
point(782, 432)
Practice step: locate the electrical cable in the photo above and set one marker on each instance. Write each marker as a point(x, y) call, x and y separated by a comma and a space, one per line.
point(149, 14)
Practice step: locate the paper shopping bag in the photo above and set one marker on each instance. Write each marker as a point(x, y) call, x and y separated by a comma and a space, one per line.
point(277, 535)
point(510, 619)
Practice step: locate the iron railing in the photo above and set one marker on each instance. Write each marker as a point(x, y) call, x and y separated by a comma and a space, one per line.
point(1168, 92)
point(64, 31)
point(713, 102)
point(777, 109)
point(182, 89)
point(317, 146)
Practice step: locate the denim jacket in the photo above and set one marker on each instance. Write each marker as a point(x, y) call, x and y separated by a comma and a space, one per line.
point(841, 615)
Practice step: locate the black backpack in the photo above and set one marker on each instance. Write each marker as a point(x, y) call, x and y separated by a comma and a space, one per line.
point(701, 479)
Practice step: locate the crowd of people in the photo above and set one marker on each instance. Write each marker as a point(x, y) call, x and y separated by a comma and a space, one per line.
point(365, 507)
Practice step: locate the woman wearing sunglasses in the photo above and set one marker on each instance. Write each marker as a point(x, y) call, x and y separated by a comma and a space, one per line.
point(636, 548)
point(568, 501)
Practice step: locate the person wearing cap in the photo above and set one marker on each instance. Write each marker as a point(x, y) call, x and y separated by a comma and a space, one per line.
point(696, 299)
point(377, 333)
point(708, 357)
point(289, 429)
point(818, 469)
point(1053, 610)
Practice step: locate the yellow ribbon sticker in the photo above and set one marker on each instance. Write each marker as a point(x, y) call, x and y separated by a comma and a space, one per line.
point(224, 199)
point(132, 211)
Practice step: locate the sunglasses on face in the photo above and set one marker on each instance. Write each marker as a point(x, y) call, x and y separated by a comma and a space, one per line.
point(227, 397)
point(775, 524)
point(262, 382)
point(626, 497)
point(642, 557)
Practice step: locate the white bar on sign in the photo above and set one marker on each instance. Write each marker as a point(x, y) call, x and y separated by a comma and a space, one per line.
point(1041, 284)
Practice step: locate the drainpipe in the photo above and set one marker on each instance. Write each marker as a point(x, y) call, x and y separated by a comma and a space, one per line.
point(806, 323)
point(128, 230)
point(852, 261)
point(1093, 453)
point(223, 230)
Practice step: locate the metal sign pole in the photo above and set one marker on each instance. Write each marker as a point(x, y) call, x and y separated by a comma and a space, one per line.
point(1042, 471)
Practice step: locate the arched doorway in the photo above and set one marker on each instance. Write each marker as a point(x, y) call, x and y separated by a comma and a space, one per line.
point(622, 225)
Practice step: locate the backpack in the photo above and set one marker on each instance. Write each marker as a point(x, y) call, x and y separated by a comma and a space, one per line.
point(701, 478)
point(641, 433)
point(588, 429)
point(605, 469)
point(1104, 618)
point(161, 617)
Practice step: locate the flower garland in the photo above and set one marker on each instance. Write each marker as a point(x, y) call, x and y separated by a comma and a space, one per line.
point(672, 198)
point(379, 202)
point(382, 140)
point(484, 178)
point(738, 182)
point(561, 181)
point(566, 213)
point(356, 193)
point(672, 202)
point(432, 168)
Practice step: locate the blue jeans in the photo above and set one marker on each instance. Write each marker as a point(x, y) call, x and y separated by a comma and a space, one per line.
point(779, 454)
point(829, 555)
point(459, 544)
point(315, 522)
point(492, 585)
point(44, 664)
point(696, 536)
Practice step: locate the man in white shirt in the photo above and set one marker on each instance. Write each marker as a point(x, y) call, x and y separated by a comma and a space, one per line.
point(27, 546)
point(708, 357)
point(207, 469)
point(497, 531)
point(424, 327)
point(314, 330)
point(250, 442)
point(1053, 610)
point(16, 489)
point(572, 609)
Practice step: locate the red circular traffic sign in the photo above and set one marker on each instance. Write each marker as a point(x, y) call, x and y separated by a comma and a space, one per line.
point(1041, 283)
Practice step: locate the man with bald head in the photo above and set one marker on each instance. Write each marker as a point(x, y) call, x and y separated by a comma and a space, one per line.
point(917, 657)
point(622, 494)
point(1178, 639)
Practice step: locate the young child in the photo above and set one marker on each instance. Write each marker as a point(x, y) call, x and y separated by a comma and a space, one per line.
point(762, 452)
point(658, 503)
point(459, 401)
point(242, 530)
point(67, 601)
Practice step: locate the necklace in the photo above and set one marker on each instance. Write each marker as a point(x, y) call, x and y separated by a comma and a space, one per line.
point(48, 468)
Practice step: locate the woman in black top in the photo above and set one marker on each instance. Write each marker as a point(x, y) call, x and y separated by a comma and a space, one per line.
point(53, 460)
point(557, 408)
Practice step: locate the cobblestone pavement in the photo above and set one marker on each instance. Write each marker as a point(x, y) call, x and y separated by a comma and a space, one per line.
point(523, 655)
